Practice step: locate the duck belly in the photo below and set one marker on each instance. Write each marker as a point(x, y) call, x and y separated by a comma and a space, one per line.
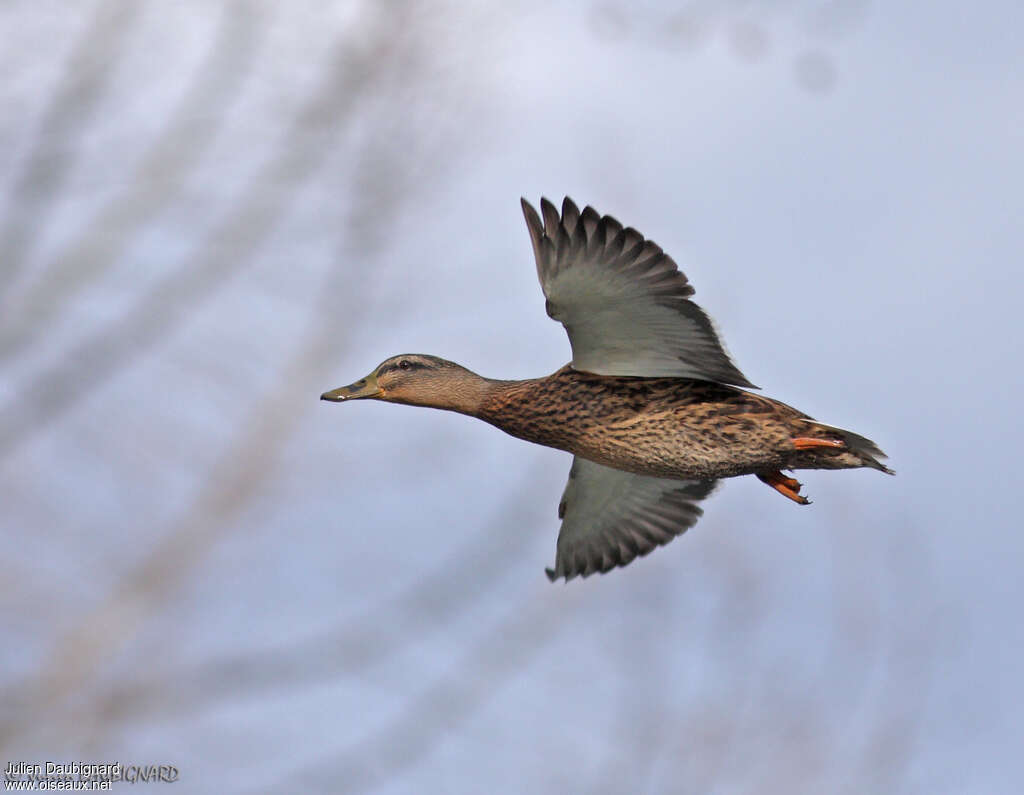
point(667, 445)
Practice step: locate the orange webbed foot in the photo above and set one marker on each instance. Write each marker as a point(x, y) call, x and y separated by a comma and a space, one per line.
point(787, 487)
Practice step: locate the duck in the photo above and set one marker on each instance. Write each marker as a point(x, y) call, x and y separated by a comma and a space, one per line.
point(651, 406)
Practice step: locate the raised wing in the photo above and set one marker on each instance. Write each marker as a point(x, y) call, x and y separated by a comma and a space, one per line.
point(622, 299)
point(610, 517)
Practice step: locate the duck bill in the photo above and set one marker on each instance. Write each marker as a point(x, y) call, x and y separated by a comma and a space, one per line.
point(361, 389)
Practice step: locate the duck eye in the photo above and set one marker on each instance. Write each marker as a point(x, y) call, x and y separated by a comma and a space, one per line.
point(404, 364)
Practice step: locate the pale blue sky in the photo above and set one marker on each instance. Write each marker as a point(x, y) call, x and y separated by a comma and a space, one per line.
point(352, 597)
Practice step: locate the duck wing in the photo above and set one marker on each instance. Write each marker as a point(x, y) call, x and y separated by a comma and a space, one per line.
point(610, 517)
point(622, 300)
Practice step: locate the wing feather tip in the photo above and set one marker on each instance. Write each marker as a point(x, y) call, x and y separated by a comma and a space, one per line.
point(530, 213)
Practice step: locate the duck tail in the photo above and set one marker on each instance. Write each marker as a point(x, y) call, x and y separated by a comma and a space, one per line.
point(866, 450)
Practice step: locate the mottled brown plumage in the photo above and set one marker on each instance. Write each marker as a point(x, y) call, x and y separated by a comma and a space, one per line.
point(650, 406)
point(666, 427)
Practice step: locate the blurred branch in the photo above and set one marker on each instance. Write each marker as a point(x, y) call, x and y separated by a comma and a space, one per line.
point(309, 141)
point(436, 600)
point(77, 97)
point(751, 30)
point(795, 733)
point(504, 652)
point(160, 177)
point(642, 708)
point(244, 470)
point(908, 666)
point(698, 727)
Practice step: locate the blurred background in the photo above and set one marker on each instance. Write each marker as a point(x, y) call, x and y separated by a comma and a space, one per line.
point(213, 212)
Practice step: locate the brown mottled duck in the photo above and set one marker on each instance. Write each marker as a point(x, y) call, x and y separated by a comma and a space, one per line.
point(650, 405)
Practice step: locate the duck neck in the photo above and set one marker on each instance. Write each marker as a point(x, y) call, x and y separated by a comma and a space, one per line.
point(502, 401)
point(470, 394)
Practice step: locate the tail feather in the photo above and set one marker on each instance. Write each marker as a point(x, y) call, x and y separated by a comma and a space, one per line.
point(861, 446)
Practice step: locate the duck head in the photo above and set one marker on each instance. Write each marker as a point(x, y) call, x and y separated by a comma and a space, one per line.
point(416, 379)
